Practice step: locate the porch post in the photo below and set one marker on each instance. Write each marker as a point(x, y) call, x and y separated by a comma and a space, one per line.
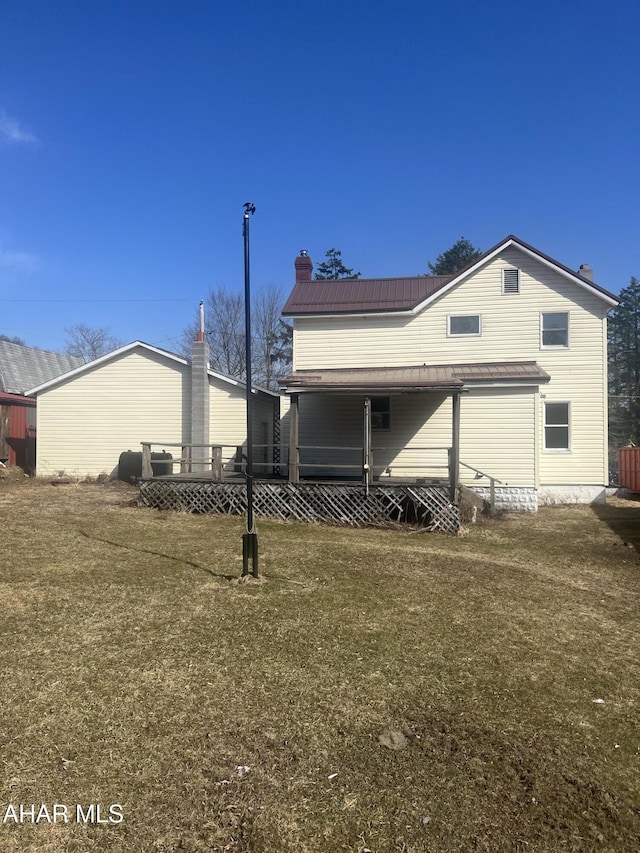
point(216, 462)
point(368, 456)
point(454, 471)
point(185, 461)
point(294, 471)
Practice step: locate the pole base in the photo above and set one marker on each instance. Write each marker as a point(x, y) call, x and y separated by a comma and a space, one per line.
point(250, 552)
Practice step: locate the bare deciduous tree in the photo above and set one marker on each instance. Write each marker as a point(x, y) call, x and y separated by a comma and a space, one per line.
point(89, 343)
point(272, 361)
point(225, 334)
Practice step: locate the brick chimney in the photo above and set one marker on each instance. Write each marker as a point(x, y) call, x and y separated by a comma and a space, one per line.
point(586, 272)
point(304, 266)
point(200, 398)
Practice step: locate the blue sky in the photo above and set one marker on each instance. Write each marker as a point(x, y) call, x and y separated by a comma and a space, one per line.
point(131, 134)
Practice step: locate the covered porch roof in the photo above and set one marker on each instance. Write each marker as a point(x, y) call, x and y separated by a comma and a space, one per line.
point(438, 377)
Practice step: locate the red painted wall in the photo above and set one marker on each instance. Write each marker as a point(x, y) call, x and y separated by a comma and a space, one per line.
point(629, 468)
point(20, 437)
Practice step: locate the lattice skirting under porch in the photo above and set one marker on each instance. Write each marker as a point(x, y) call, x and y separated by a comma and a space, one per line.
point(332, 503)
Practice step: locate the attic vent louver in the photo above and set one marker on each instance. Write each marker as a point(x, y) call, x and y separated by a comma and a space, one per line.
point(511, 281)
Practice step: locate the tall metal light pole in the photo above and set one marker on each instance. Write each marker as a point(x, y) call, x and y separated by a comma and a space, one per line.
point(250, 538)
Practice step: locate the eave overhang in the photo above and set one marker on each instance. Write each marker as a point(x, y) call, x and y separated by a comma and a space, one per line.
point(444, 378)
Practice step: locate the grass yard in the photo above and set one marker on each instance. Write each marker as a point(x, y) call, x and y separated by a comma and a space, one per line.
point(380, 691)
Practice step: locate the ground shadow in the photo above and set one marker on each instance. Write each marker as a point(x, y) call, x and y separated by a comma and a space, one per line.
point(623, 518)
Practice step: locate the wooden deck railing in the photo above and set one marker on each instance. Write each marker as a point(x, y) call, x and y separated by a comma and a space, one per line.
point(492, 484)
point(424, 462)
point(213, 461)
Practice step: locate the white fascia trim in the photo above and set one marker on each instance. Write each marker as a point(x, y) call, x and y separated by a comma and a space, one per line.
point(366, 315)
point(506, 245)
point(522, 383)
point(149, 348)
point(571, 277)
point(255, 389)
point(103, 358)
point(484, 260)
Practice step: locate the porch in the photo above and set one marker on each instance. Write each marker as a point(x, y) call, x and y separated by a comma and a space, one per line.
point(335, 466)
point(364, 446)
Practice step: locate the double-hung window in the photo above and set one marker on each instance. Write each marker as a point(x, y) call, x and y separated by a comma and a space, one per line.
point(554, 329)
point(556, 426)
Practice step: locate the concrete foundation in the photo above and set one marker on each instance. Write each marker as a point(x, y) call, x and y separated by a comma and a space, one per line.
point(525, 499)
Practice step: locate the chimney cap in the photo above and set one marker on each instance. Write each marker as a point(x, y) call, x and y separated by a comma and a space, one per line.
point(304, 266)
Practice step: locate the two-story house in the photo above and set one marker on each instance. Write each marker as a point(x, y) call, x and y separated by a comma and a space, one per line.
point(503, 365)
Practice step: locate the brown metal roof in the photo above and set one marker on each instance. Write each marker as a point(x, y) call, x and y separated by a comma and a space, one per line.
point(363, 294)
point(499, 371)
point(438, 377)
point(375, 295)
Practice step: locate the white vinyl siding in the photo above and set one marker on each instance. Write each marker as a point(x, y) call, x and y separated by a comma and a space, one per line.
point(577, 373)
point(86, 422)
point(497, 435)
point(507, 335)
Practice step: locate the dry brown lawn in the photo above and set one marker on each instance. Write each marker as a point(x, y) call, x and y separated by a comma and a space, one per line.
point(380, 691)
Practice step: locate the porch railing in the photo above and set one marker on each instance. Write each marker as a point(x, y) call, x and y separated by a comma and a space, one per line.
point(492, 484)
point(370, 466)
point(212, 461)
point(420, 462)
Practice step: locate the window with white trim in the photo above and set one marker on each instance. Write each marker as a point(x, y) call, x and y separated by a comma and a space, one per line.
point(554, 329)
point(463, 324)
point(556, 426)
point(380, 413)
point(511, 280)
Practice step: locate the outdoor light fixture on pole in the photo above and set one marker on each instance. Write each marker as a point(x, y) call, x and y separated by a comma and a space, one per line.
point(250, 538)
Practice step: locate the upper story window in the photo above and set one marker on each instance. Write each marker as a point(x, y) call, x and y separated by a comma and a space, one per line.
point(380, 413)
point(554, 329)
point(511, 281)
point(463, 324)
